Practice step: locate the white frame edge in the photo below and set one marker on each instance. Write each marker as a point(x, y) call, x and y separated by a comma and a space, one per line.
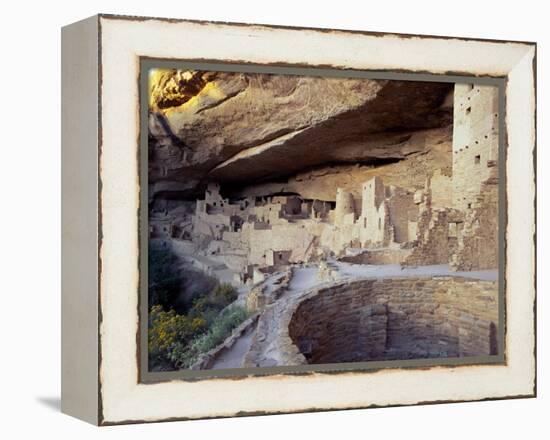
point(79, 219)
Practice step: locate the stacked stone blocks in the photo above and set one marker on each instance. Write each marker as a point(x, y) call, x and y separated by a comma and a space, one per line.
point(397, 318)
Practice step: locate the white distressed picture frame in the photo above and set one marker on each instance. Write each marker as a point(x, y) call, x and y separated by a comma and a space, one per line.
point(101, 194)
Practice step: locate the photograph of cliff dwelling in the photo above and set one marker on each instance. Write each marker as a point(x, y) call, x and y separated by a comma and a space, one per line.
point(298, 220)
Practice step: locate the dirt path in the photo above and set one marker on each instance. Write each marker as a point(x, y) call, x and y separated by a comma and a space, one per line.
point(234, 356)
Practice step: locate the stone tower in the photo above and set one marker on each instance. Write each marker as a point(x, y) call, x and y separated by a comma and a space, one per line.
point(475, 141)
point(374, 219)
point(345, 207)
point(373, 195)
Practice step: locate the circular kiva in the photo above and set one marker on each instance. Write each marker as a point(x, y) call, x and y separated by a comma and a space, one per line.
point(397, 318)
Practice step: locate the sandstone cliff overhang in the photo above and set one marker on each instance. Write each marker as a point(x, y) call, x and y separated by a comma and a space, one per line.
point(246, 128)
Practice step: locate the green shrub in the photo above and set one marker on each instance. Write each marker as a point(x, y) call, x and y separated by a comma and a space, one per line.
point(209, 306)
point(167, 329)
point(185, 355)
point(226, 292)
point(188, 315)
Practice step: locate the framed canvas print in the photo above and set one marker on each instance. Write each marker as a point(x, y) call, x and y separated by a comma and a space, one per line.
point(262, 220)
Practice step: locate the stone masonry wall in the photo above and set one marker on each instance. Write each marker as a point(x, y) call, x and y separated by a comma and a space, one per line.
point(290, 236)
point(392, 255)
point(401, 209)
point(432, 245)
point(398, 318)
point(441, 185)
point(263, 294)
point(477, 246)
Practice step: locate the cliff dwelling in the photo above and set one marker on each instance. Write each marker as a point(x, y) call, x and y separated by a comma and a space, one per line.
point(320, 220)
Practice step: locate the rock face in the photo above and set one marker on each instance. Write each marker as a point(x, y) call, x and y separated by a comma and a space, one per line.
point(431, 151)
point(242, 129)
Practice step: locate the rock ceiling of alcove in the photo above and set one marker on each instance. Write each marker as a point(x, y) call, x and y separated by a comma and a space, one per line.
point(245, 128)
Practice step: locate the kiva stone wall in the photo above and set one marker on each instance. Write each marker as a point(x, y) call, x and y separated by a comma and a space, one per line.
point(389, 319)
point(262, 294)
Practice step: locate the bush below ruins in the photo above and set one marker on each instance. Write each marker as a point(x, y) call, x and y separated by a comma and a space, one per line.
point(178, 334)
point(167, 329)
point(184, 355)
